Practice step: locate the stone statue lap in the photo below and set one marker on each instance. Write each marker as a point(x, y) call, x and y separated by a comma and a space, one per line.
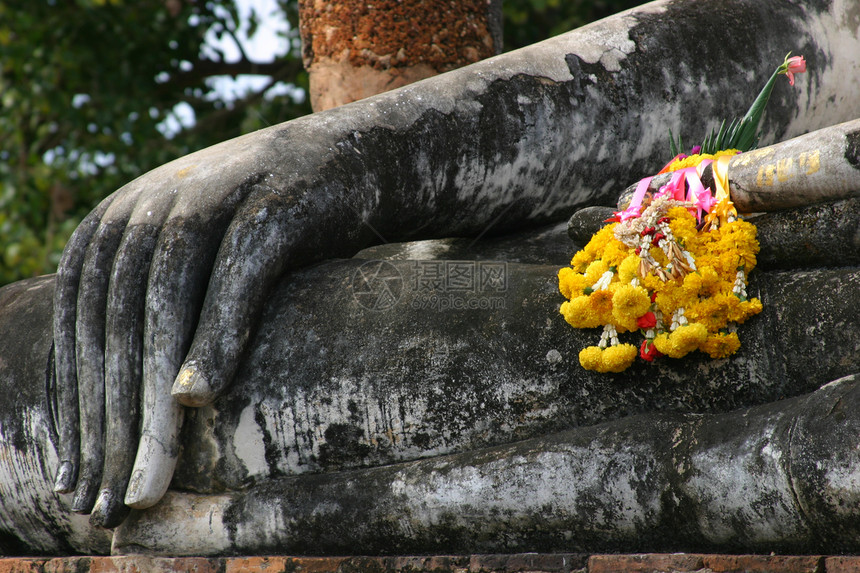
point(340, 404)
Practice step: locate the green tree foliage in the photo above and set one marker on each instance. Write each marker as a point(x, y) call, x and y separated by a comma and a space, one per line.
point(89, 91)
point(530, 21)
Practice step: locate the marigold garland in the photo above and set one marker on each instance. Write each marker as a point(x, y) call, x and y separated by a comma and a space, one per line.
point(673, 266)
point(686, 294)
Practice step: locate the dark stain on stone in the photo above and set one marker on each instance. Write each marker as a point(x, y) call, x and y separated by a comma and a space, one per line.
point(343, 443)
point(271, 449)
point(852, 151)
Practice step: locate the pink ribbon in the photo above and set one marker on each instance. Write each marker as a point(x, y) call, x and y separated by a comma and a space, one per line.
point(636, 203)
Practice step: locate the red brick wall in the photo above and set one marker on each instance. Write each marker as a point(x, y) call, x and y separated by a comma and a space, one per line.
point(518, 563)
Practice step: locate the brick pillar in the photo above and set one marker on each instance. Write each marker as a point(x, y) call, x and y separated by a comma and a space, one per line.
point(353, 49)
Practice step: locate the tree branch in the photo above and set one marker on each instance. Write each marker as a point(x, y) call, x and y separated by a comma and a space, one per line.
point(203, 69)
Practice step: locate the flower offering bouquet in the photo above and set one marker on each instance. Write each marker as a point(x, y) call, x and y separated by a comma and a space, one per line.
point(673, 264)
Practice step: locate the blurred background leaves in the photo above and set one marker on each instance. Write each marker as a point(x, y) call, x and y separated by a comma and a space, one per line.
point(94, 93)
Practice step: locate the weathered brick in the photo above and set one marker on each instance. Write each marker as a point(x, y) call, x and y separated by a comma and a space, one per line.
point(527, 563)
point(490, 563)
point(429, 564)
point(842, 564)
point(146, 564)
point(22, 565)
point(764, 563)
point(645, 563)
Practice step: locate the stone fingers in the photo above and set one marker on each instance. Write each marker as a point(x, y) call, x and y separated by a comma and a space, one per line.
point(123, 352)
point(253, 254)
point(65, 312)
point(90, 345)
point(178, 278)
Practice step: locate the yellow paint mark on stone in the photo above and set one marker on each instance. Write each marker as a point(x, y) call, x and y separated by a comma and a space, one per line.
point(765, 175)
point(184, 379)
point(784, 169)
point(810, 161)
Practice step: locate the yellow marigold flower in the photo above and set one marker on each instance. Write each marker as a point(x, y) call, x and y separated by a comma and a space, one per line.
point(628, 269)
point(739, 238)
point(595, 270)
point(612, 359)
point(721, 345)
point(615, 253)
point(730, 152)
point(653, 283)
point(727, 263)
point(630, 302)
point(659, 256)
point(710, 279)
point(663, 344)
point(580, 260)
point(622, 326)
point(745, 310)
point(728, 302)
point(682, 223)
point(590, 358)
point(570, 282)
point(670, 296)
point(687, 338)
point(595, 247)
point(600, 305)
point(682, 340)
point(696, 158)
point(713, 312)
point(578, 313)
point(618, 358)
point(684, 298)
point(693, 283)
point(702, 242)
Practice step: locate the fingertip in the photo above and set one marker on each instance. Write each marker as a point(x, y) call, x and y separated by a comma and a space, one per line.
point(145, 489)
point(85, 496)
point(109, 511)
point(153, 468)
point(192, 387)
point(64, 482)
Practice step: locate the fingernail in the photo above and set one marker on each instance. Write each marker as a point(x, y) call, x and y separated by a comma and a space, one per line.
point(135, 486)
point(65, 480)
point(191, 388)
point(108, 511)
point(84, 497)
point(100, 509)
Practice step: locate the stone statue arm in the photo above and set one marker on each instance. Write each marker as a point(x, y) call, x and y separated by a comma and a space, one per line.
point(160, 287)
point(777, 477)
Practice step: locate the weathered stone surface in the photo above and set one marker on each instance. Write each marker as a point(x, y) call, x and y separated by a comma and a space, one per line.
point(823, 235)
point(330, 391)
point(347, 386)
point(518, 140)
point(33, 520)
point(669, 482)
point(548, 245)
point(816, 236)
